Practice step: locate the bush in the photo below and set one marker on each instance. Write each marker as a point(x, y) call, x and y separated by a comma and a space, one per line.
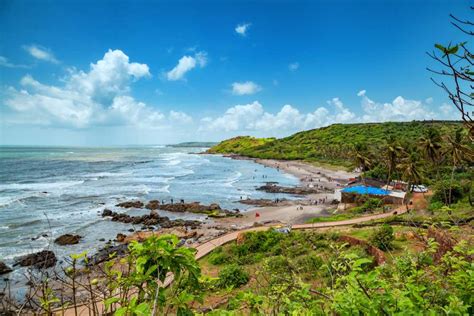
point(232, 276)
point(218, 257)
point(383, 237)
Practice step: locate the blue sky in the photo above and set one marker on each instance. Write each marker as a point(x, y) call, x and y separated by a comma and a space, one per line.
point(147, 72)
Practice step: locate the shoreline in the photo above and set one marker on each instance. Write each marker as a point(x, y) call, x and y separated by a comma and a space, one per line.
point(294, 211)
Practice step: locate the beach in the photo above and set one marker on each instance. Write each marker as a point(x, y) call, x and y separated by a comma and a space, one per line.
point(298, 211)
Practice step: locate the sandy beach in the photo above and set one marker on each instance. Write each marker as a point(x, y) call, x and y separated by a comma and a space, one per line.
point(297, 212)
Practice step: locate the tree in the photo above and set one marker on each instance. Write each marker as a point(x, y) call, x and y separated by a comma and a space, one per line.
point(391, 154)
point(456, 63)
point(411, 170)
point(458, 152)
point(431, 145)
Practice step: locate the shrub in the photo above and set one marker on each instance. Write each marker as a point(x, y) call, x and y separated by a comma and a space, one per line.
point(218, 257)
point(383, 237)
point(232, 276)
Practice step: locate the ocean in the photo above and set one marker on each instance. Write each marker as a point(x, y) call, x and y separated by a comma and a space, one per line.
point(49, 191)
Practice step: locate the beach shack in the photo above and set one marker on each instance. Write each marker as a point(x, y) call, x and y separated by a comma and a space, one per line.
point(352, 193)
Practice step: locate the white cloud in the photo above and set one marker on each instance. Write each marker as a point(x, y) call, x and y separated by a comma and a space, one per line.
point(294, 66)
point(185, 64)
point(400, 109)
point(361, 93)
point(41, 53)
point(253, 119)
point(242, 29)
point(243, 88)
point(100, 96)
point(4, 62)
point(180, 117)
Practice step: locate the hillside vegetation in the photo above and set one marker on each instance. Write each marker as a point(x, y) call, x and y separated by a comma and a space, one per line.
point(332, 144)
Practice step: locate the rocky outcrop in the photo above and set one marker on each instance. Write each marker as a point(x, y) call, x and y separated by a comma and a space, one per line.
point(105, 254)
point(274, 188)
point(4, 269)
point(149, 220)
point(212, 210)
point(131, 204)
point(68, 239)
point(40, 260)
point(120, 237)
point(153, 205)
point(265, 202)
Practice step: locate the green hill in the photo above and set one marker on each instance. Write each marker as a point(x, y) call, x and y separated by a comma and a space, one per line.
point(333, 144)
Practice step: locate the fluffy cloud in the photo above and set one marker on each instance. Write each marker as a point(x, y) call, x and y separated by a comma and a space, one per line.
point(252, 118)
point(294, 66)
point(185, 64)
point(41, 53)
point(99, 96)
point(247, 87)
point(242, 29)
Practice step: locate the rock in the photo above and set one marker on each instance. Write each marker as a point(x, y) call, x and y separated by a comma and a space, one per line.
point(102, 239)
point(40, 260)
point(131, 204)
point(274, 188)
point(151, 219)
point(131, 230)
point(4, 269)
point(120, 237)
point(106, 212)
point(105, 254)
point(68, 239)
point(153, 205)
point(265, 202)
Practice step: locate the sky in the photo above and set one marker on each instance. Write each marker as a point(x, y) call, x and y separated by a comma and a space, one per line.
point(99, 73)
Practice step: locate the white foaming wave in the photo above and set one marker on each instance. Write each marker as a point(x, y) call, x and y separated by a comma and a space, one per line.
point(39, 185)
point(106, 174)
point(164, 189)
point(153, 179)
point(232, 179)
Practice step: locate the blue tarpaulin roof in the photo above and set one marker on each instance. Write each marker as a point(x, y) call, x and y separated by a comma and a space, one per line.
point(360, 189)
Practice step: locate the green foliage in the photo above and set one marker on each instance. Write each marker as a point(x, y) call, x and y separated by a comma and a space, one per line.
point(334, 144)
point(383, 237)
point(370, 205)
point(441, 191)
point(232, 276)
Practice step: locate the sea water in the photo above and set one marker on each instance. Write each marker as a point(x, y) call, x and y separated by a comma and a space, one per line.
point(49, 191)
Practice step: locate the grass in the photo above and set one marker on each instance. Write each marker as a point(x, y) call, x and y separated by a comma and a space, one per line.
point(332, 218)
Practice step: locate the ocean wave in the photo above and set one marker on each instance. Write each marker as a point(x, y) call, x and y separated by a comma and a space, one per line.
point(232, 179)
point(39, 186)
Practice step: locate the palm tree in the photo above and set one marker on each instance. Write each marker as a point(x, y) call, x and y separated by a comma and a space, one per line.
point(411, 170)
point(458, 152)
point(391, 154)
point(362, 158)
point(431, 146)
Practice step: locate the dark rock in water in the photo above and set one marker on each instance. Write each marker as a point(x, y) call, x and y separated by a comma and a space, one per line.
point(153, 205)
point(130, 204)
point(105, 254)
point(4, 269)
point(68, 239)
point(102, 239)
point(120, 237)
point(212, 210)
point(40, 260)
point(131, 230)
point(151, 219)
point(106, 212)
point(273, 188)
